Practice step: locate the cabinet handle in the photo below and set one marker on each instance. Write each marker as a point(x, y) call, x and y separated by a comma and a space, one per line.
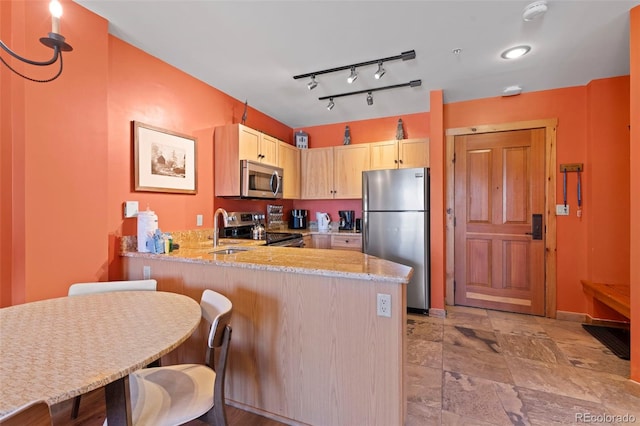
point(400, 161)
point(395, 161)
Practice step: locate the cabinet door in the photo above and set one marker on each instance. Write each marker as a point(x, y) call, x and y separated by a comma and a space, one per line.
point(248, 143)
point(413, 153)
point(268, 150)
point(289, 161)
point(321, 241)
point(349, 162)
point(384, 155)
point(316, 174)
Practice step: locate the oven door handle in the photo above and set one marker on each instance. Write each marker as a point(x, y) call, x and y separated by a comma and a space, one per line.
point(275, 178)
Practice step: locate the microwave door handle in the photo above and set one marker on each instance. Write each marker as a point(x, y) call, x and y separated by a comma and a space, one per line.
point(276, 178)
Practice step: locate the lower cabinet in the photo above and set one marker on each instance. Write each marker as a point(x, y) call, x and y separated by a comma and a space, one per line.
point(321, 241)
point(336, 241)
point(346, 242)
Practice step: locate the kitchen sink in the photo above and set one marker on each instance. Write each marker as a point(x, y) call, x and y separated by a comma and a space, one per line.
point(233, 250)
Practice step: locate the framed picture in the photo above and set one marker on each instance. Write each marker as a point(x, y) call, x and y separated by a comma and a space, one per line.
point(164, 161)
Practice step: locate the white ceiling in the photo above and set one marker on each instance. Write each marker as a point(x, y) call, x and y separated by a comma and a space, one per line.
point(252, 49)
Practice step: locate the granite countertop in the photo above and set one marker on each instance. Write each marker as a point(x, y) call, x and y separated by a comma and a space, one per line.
point(333, 263)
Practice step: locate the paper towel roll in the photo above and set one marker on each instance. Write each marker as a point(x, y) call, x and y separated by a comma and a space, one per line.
point(147, 225)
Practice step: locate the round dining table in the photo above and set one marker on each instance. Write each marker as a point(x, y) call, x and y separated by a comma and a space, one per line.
point(56, 349)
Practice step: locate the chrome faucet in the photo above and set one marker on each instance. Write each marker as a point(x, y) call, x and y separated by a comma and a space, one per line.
point(225, 216)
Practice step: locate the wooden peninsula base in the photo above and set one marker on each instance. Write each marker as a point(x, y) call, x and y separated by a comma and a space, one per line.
point(307, 346)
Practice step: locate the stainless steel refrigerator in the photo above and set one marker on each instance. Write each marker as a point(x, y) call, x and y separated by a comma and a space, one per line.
point(395, 214)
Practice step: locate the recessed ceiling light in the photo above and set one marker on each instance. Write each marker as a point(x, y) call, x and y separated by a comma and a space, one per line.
point(534, 10)
point(516, 52)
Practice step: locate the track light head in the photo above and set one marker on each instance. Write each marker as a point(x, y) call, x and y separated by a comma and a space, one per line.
point(353, 76)
point(380, 71)
point(331, 104)
point(369, 99)
point(313, 83)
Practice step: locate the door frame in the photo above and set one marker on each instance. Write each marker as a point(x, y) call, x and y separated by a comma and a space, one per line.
point(550, 126)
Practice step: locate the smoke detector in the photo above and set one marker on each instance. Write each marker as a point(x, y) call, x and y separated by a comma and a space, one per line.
point(534, 10)
point(512, 91)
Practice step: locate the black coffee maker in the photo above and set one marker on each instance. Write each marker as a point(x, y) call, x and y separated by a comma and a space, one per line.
point(347, 220)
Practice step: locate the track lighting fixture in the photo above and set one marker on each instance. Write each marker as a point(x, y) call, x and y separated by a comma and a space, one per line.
point(55, 41)
point(313, 83)
point(412, 83)
point(331, 104)
point(405, 56)
point(353, 76)
point(380, 71)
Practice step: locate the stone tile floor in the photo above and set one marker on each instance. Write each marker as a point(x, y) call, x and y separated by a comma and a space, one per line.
point(481, 367)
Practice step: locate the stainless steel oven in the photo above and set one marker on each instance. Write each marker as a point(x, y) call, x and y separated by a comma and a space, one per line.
point(259, 180)
point(240, 224)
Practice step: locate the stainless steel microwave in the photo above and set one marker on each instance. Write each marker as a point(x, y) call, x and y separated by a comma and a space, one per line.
point(259, 180)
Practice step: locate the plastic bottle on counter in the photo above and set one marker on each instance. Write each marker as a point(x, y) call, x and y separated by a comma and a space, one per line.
point(147, 226)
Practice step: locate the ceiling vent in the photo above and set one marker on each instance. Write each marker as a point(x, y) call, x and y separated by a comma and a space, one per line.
point(512, 91)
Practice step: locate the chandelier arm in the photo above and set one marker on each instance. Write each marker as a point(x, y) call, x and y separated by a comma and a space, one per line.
point(33, 79)
point(56, 52)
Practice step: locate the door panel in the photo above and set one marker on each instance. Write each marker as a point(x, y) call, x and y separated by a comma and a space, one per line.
point(499, 185)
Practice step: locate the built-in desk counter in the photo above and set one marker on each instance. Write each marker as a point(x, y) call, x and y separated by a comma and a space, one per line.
point(308, 345)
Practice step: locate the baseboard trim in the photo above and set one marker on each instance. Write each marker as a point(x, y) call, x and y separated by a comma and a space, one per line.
point(588, 319)
point(437, 313)
point(571, 316)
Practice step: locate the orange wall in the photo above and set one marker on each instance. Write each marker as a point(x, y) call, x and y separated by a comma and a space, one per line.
point(570, 107)
point(364, 131)
point(145, 89)
point(634, 156)
point(68, 148)
point(54, 194)
point(606, 186)
point(436, 154)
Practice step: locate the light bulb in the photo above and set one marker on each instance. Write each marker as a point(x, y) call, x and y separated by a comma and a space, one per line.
point(55, 8)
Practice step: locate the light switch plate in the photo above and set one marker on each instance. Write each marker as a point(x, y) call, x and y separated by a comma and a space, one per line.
point(198, 220)
point(562, 210)
point(130, 209)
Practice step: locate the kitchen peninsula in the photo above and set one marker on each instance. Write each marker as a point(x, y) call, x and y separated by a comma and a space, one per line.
point(308, 346)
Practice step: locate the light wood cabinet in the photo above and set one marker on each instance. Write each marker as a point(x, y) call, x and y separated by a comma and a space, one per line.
point(400, 154)
point(235, 142)
point(346, 242)
point(308, 241)
point(256, 146)
point(316, 174)
point(334, 172)
point(321, 241)
point(289, 161)
point(349, 163)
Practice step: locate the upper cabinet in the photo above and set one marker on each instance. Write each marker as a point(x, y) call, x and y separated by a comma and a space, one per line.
point(256, 146)
point(316, 174)
point(400, 154)
point(289, 161)
point(235, 142)
point(334, 172)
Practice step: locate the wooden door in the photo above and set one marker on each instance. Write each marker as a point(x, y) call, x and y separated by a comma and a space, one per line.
point(349, 162)
point(413, 153)
point(316, 173)
point(499, 187)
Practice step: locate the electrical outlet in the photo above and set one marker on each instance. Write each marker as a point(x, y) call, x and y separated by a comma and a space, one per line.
point(384, 305)
point(562, 210)
point(199, 220)
point(146, 272)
